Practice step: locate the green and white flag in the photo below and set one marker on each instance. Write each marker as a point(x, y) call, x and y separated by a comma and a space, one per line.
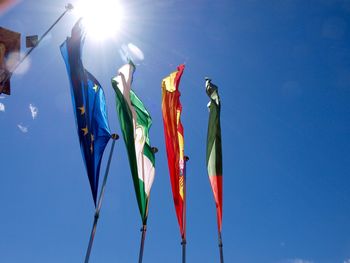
point(135, 122)
point(214, 148)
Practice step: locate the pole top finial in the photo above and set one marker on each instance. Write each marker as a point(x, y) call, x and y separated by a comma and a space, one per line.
point(115, 136)
point(69, 6)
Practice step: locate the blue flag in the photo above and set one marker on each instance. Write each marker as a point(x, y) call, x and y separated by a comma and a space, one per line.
point(89, 107)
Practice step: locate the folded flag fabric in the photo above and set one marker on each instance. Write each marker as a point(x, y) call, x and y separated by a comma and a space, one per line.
point(89, 107)
point(174, 141)
point(214, 149)
point(135, 122)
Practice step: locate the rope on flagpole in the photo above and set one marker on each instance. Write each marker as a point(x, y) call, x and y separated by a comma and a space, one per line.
point(68, 7)
point(99, 204)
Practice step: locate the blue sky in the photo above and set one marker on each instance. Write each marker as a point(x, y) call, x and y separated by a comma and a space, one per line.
point(283, 72)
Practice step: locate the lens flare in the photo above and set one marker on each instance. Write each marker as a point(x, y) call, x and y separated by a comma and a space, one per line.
point(13, 59)
point(101, 19)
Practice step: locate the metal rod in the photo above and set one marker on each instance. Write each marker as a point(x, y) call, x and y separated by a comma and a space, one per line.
point(221, 250)
point(99, 204)
point(144, 227)
point(143, 237)
point(183, 242)
point(68, 8)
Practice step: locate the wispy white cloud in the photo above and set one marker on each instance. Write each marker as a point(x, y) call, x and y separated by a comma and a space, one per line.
point(298, 260)
point(22, 128)
point(2, 107)
point(2, 97)
point(34, 110)
point(347, 261)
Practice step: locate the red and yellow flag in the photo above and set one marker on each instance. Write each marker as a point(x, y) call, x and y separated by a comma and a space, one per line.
point(174, 141)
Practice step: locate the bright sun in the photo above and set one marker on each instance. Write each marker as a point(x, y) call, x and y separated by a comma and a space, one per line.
point(101, 18)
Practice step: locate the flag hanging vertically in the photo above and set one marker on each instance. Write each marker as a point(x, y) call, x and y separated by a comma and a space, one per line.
point(135, 122)
point(214, 151)
point(89, 106)
point(174, 141)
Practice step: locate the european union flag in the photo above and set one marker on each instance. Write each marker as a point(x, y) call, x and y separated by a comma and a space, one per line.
point(89, 106)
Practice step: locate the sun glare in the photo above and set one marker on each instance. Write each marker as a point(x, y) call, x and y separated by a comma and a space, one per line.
point(101, 19)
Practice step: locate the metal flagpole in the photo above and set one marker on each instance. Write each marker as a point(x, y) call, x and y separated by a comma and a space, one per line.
point(99, 204)
point(183, 242)
point(68, 7)
point(144, 227)
point(220, 247)
point(143, 237)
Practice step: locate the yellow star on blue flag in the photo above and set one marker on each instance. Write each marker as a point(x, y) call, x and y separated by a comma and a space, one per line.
point(90, 107)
